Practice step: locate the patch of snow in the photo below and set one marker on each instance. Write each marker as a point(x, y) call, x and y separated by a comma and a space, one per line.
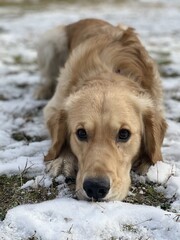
point(42, 180)
point(72, 219)
point(161, 172)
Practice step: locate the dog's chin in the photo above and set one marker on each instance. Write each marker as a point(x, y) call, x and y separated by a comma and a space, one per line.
point(111, 196)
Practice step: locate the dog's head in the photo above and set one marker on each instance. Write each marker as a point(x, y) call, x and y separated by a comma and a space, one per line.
point(109, 131)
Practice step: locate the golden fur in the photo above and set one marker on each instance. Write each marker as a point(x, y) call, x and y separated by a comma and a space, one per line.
point(107, 82)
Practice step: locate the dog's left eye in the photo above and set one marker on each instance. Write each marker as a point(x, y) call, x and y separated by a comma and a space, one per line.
point(81, 134)
point(123, 135)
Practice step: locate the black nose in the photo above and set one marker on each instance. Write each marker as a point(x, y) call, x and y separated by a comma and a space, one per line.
point(96, 188)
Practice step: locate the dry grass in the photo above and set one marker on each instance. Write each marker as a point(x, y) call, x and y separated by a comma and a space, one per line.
point(147, 194)
point(11, 194)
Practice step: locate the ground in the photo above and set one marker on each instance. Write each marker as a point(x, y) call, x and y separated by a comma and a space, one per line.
point(32, 205)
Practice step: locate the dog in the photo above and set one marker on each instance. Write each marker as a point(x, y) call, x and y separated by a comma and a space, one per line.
point(105, 116)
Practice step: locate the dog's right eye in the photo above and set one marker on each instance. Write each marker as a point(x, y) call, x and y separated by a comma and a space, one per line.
point(82, 134)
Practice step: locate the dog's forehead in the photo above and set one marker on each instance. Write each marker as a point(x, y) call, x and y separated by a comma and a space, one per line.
point(110, 107)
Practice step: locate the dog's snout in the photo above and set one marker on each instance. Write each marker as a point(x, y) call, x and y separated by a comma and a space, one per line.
point(96, 188)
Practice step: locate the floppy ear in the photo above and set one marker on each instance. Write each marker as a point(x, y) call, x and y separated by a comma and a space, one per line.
point(153, 134)
point(57, 128)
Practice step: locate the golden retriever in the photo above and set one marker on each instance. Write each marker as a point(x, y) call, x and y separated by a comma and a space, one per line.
point(105, 116)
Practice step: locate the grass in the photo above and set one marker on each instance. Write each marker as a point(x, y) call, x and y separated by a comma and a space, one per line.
point(36, 5)
point(146, 193)
point(129, 228)
point(43, 4)
point(3, 98)
point(18, 59)
point(164, 72)
point(11, 194)
point(165, 62)
point(22, 136)
point(176, 98)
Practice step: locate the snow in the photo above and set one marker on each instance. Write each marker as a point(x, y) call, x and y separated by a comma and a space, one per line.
point(71, 219)
point(64, 217)
point(41, 180)
point(161, 172)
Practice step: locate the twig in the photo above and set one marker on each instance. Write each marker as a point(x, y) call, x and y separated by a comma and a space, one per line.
point(172, 173)
point(177, 217)
point(22, 173)
point(69, 230)
point(150, 219)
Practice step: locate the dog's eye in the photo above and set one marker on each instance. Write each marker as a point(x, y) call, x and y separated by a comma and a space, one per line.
point(81, 134)
point(123, 135)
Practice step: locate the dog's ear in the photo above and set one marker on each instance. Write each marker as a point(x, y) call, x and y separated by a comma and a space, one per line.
point(154, 131)
point(58, 131)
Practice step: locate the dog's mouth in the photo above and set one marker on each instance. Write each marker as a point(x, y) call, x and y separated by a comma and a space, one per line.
point(81, 195)
point(97, 189)
point(93, 189)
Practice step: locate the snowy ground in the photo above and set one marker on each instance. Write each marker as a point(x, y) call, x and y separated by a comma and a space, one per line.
point(21, 117)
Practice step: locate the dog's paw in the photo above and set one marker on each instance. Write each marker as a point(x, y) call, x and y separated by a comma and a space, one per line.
point(55, 167)
point(66, 166)
point(70, 167)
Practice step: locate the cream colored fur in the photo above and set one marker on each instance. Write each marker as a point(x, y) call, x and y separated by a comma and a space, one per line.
point(108, 83)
